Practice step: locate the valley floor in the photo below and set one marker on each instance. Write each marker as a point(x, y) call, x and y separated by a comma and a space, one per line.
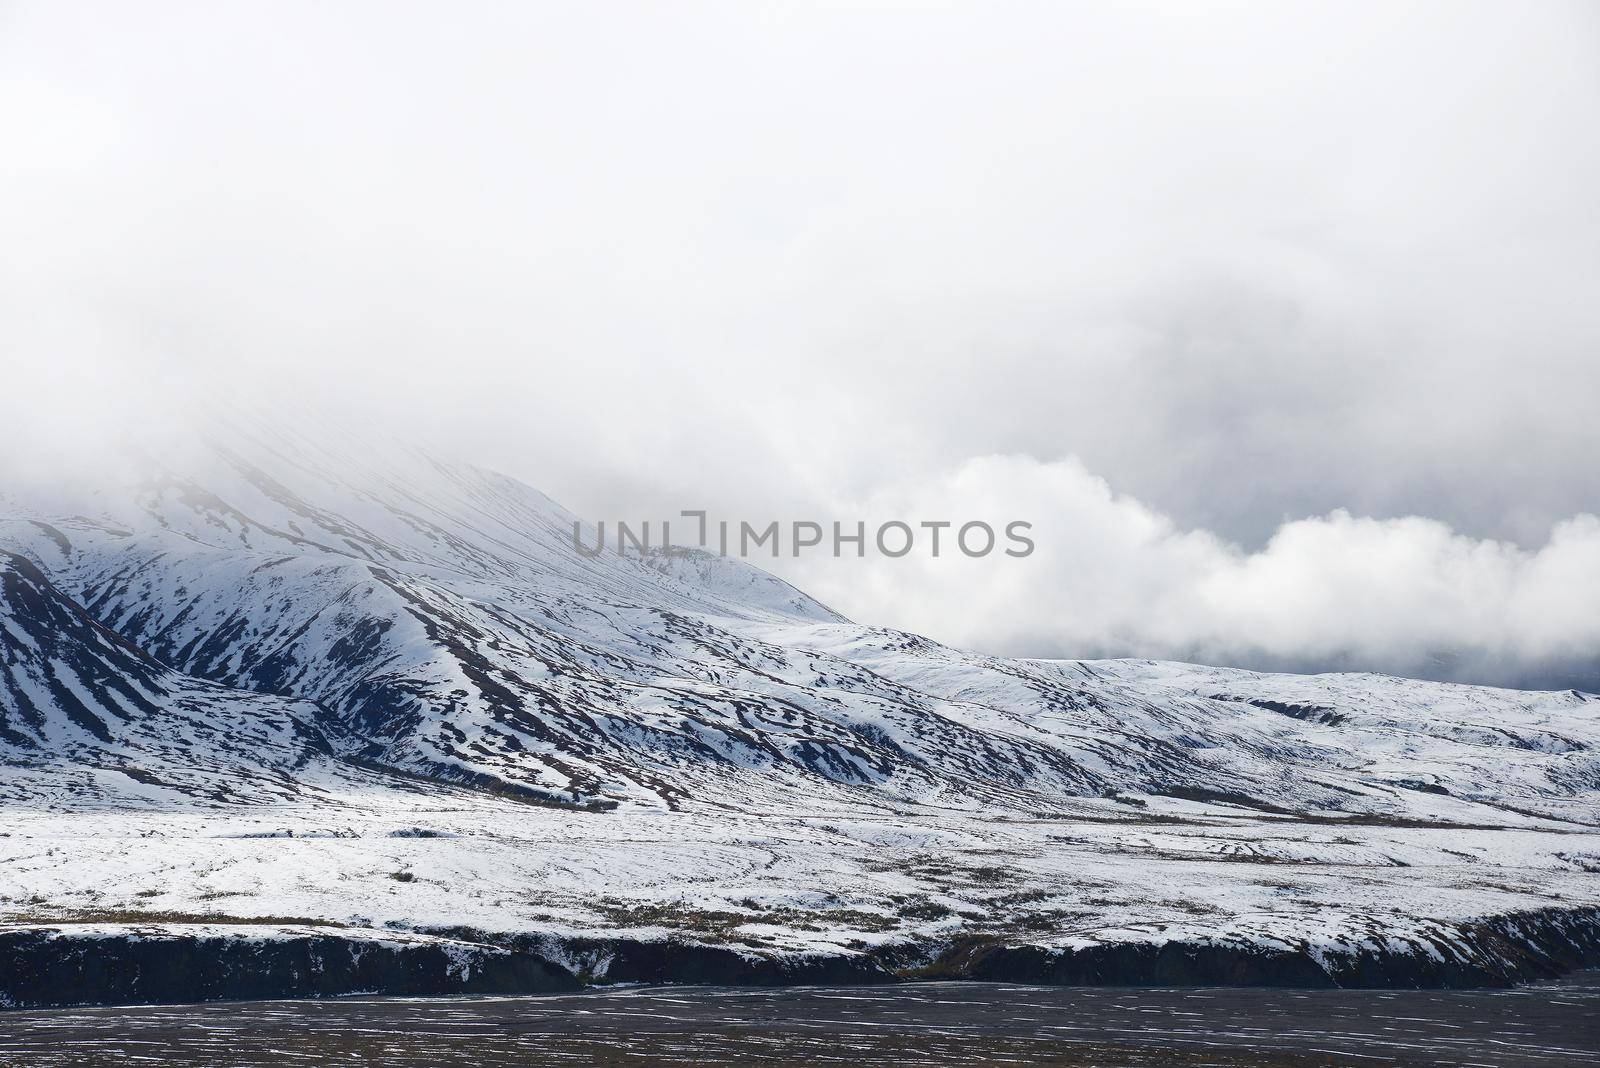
point(1094, 893)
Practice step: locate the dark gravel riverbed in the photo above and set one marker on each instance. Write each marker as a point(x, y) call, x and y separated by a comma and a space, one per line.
point(920, 1024)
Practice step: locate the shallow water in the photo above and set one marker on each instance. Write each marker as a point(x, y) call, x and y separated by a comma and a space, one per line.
point(916, 1024)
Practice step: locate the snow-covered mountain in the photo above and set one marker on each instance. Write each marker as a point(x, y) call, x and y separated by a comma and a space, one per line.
point(273, 630)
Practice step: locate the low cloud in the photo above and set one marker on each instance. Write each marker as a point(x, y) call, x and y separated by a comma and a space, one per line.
point(1112, 576)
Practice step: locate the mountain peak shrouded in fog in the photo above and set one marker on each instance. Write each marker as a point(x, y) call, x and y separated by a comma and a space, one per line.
point(1291, 369)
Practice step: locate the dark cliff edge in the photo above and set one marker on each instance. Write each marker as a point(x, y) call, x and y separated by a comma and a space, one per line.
point(47, 967)
point(1493, 953)
point(52, 967)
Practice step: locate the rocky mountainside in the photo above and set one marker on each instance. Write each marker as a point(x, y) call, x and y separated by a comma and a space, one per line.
point(271, 630)
point(86, 715)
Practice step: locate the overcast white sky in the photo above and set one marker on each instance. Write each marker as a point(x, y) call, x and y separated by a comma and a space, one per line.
point(1176, 282)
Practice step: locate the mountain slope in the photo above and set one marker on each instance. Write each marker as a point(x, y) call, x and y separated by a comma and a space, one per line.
point(85, 715)
point(442, 620)
point(329, 686)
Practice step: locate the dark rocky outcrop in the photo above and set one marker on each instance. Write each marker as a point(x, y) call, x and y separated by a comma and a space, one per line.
point(1492, 953)
point(41, 968)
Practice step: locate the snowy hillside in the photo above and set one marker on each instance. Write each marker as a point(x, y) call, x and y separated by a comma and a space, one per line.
point(390, 695)
point(87, 718)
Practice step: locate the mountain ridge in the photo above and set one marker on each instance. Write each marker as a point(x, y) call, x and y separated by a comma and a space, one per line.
point(395, 698)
